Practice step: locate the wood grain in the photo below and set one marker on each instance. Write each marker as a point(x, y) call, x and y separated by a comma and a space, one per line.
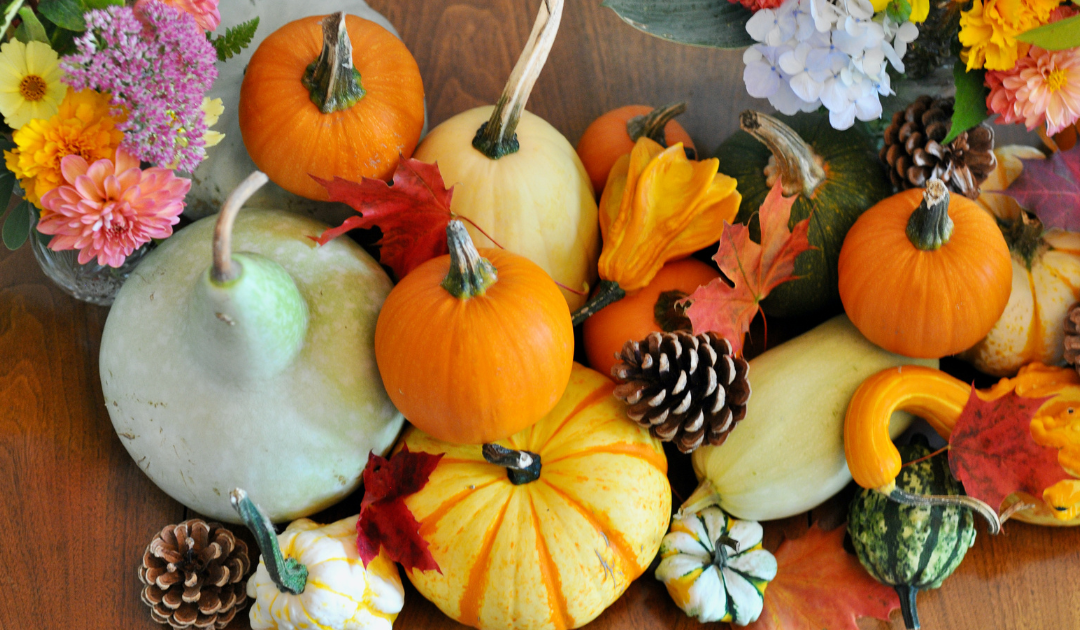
point(76, 512)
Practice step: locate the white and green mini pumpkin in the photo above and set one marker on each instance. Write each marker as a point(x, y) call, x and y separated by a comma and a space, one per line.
point(715, 568)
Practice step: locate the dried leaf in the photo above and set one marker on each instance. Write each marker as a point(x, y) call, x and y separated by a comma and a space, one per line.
point(819, 585)
point(412, 213)
point(1051, 189)
point(385, 521)
point(992, 452)
point(754, 270)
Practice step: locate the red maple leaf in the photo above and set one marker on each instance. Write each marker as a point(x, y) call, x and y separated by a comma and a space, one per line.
point(992, 453)
point(412, 213)
point(753, 269)
point(819, 585)
point(385, 521)
point(1051, 189)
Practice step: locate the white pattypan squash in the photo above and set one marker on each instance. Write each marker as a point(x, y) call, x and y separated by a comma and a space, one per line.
point(715, 568)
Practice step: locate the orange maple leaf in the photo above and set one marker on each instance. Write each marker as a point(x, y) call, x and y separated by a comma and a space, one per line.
point(754, 270)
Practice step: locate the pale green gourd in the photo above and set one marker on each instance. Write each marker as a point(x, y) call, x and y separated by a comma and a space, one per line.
point(256, 371)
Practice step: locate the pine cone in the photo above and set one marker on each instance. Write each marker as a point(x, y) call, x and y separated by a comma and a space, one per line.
point(683, 388)
point(194, 575)
point(914, 153)
point(1072, 336)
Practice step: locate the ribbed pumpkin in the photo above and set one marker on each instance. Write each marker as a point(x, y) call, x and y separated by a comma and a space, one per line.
point(554, 552)
point(836, 177)
point(518, 178)
point(925, 273)
point(301, 116)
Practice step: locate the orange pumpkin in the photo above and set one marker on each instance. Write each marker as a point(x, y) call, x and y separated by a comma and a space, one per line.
point(345, 125)
point(613, 135)
point(924, 273)
point(473, 350)
point(649, 310)
point(552, 546)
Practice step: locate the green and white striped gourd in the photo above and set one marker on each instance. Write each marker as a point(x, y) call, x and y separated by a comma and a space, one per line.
point(908, 547)
point(714, 567)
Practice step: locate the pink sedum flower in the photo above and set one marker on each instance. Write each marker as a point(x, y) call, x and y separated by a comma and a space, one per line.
point(205, 12)
point(110, 208)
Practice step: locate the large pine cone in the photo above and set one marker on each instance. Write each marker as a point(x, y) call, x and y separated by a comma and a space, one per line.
point(914, 153)
point(194, 575)
point(683, 388)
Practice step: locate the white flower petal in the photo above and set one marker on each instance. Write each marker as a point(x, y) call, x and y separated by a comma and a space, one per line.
point(785, 100)
point(761, 80)
point(759, 25)
point(842, 118)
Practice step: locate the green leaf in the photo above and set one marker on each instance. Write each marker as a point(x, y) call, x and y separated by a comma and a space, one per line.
point(7, 185)
point(970, 108)
point(713, 23)
point(235, 39)
point(66, 14)
point(899, 11)
point(31, 28)
point(17, 225)
point(101, 4)
point(1060, 35)
point(10, 12)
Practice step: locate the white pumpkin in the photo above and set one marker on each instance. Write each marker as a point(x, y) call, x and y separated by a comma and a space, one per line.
point(715, 568)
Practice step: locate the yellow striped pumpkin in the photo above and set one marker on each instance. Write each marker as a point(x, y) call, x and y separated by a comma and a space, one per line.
point(551, 553)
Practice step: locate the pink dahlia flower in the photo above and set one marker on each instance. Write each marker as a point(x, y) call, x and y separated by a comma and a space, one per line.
point(110, 208)
point(205, 12)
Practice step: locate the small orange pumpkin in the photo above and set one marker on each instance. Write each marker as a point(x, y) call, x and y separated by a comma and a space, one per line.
point(473, 350)
point(924, 273)
point(300, 116)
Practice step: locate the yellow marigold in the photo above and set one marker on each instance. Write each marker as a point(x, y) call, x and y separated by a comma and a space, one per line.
point(82, 127)
point(988, 30)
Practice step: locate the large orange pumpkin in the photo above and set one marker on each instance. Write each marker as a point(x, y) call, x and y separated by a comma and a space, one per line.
point(553, 552)
point(344, 125)
point(924, 273)
point(472, 349)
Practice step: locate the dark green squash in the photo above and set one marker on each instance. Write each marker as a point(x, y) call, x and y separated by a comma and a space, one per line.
point(837, 176)
point(908, 547)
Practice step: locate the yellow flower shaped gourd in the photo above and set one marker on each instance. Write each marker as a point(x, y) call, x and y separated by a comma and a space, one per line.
point(82, 126)
point(659, 206)
point(989, 28)
point(30, 84)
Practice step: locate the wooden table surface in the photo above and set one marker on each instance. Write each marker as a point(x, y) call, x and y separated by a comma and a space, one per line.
point(76, 513)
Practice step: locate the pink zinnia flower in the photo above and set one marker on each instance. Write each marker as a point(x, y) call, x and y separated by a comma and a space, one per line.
point(205, 12)
point(110, 208)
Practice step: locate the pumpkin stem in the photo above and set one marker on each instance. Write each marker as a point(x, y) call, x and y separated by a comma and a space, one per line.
point(225, 269)
point(608, 291)
point(907, 595)
point(930, 226)
point(1024, 236)
point(652, 125)
point(521, 466)
point(950, 500)
point(496, 137)
point(469, 275)
point(720, 550)
point(289, 575)
point(332, 79)
point(801, 170)
point(670, 312)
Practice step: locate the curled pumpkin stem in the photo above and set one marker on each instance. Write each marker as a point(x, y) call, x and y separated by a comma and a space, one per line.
point(801, 170)
point(288, 575)
point(993, 521)
point(521, 466)
point(608, 292)
point(652, 125)
point(225, 269)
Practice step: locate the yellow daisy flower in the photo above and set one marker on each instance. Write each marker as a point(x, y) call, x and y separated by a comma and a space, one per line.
point(989, 28)
point(30, 84)
point(82, 126)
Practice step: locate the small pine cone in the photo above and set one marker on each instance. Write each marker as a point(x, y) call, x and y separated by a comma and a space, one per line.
point(1072, 336)
point(683, 388)
point(914, 153)
point(194, 575)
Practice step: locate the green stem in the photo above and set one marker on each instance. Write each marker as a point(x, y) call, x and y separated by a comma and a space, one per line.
point(652, 125)
point(521, 466)
point(1024, 236)
point(289, 575)
point(609, 292)
point(720, 547)
point(332, 79)
point(907, 595)
point(950, 500)
point(930, 225)
point(469, 275)
point(801, 170)
point(496, 138)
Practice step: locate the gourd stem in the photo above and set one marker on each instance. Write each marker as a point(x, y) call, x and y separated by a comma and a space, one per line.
point(652, 125)
point(1024, 236)
point(469, 275)
point(496, 137)
point(225, 269)
point(950, 500)
point(801, 170)
point(930, 225)
point(521, 466)
point(720, 550)
point(332, 80)
point(670, 313)
point(907, 595)
point(703, 496)
point(608, 292)
point(289, 575)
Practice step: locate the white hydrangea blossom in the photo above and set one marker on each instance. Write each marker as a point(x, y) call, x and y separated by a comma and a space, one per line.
point(825, 52)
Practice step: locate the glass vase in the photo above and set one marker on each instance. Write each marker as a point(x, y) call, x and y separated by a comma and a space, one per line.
point(93, 283)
